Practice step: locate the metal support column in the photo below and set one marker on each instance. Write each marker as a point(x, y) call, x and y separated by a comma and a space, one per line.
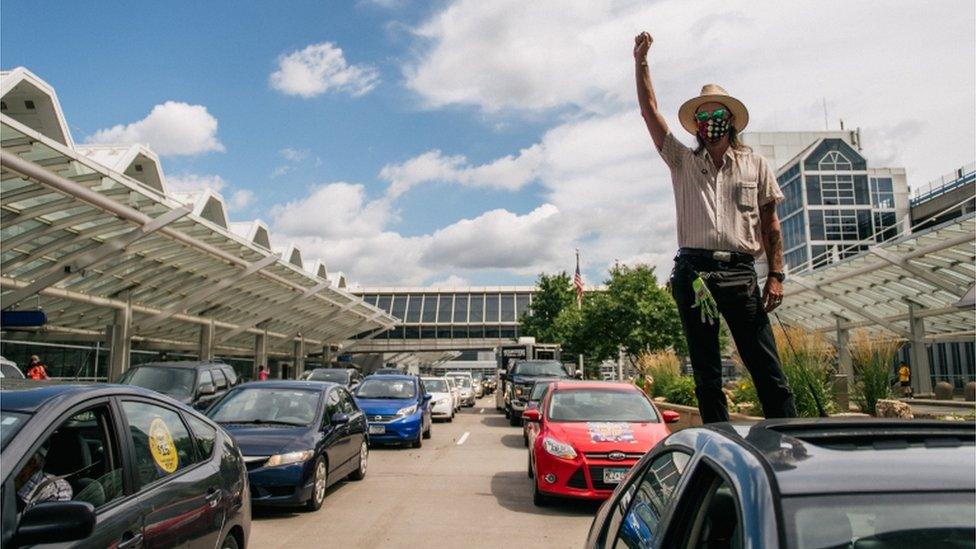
point(919, 356)
point(845, 365)
point(326, 355)
point(299, 358)
point(119, 336)
point(260, 353)
point(207, 341)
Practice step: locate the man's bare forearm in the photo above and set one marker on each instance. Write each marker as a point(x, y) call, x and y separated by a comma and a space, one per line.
point(645, 90)
point(772, 236)
point(646, 98)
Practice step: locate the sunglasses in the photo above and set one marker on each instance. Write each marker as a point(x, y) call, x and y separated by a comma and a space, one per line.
point(717, 114)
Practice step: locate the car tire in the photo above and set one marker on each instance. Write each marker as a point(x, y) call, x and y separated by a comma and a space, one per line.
point(360, 472)
point(538, 498)
point(525, 440)
point(427, 432)
point(450, 418)
point(320, 480)
point(419, 442)
point(531, 473)
point(514, 420)
point(508, 413)
point(230, 542)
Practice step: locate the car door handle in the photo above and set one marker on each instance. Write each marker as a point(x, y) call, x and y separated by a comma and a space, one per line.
point(130, 542)
point(213, 496)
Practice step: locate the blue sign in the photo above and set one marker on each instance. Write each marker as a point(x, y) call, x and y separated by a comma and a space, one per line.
point(22, 319)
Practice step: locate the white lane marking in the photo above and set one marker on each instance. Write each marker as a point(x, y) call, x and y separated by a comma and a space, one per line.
point(482, 411)
point(463, 438)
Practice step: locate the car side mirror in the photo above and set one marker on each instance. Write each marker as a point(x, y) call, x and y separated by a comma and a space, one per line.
point(55, 522)
point(339, 418)
point(207, 389)
point(532, 414)
point(427, 397)
point(670, 416)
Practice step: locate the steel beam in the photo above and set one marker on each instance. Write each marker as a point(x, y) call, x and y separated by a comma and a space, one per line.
point(270, 313)
point(851, 306)
point(928, 276)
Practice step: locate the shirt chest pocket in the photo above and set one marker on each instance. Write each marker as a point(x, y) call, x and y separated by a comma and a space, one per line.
point(747, 195)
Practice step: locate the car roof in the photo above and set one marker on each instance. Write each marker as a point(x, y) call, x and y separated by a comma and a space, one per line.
point(25, 395)
point(574, 384)
point(183, 364)
point(852, 455)
point(397, 377)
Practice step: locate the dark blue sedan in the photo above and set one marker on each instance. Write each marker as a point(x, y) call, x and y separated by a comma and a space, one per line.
point(297, 437)
point(799, 483)
point(397, 408)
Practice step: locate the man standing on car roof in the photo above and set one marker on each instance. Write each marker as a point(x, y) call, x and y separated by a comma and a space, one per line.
point(726, 197)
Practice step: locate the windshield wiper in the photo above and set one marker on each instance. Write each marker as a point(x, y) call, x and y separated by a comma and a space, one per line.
point(261, 422)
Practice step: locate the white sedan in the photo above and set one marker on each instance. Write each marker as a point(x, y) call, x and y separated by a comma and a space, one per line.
point(441, 399)
point(455, 392)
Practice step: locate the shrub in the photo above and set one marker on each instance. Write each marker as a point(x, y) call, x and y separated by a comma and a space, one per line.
point(807, 359)
point(661, 369)
point(681, 390)
point(744, 392)
point(873, 356)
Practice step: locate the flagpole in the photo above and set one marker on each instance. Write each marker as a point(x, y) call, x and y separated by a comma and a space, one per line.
point(579, 306)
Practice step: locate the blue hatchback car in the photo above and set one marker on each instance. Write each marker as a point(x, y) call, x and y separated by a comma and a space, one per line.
point(397, 408)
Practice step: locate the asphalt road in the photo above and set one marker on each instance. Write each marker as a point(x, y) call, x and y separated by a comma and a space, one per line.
point(467, 487)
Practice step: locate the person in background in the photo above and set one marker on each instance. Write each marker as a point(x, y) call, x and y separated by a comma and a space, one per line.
point(905, 379)
point(36, 369)
point(262, 373)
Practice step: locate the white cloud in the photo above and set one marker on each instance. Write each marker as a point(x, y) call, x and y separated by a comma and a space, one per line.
point(192, 183)
point(320, 68)
point(452, 281)
point(173, 128)
point(293, 155)
point(506, 173)
point(332, 211)
point(241, 199)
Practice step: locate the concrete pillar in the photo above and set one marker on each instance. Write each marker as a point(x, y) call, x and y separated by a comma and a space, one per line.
point(918, 356)
point(298, 358)
point(326, 355)
point(119, 337)
point(207, 341)
point(260, 353)
point(845, 366)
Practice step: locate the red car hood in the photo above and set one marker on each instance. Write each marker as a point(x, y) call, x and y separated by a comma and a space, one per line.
point(600, 436)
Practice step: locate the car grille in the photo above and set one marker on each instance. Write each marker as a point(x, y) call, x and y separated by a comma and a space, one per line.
point(606, 455)
point(380, 418)
point(596, 475)
point(578, 480)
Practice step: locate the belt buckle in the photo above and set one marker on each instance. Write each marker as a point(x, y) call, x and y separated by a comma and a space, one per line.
point(722, 256)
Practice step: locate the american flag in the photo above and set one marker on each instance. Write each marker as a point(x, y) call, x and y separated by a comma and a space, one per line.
point(578, 282)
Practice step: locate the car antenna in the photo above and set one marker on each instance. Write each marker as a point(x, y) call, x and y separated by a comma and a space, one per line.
point(813, 393)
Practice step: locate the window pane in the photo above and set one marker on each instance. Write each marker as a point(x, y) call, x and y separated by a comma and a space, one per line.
point(205, 435)
point(161, 441)
point(647, 501)
point(813, 189)
point(460, 308)
point(477, 312)
point(444, 332)
point(444, 309)
point(430, 308)
point(491, 308)
point(508, 307)
point(413, 308)
point(219, 380)
point(384, 302)
point(399, 306)
point(816, 225)
point(521, 305)
point(428, 332)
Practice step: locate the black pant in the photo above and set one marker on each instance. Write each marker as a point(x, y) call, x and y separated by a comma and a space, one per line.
point(734, 286)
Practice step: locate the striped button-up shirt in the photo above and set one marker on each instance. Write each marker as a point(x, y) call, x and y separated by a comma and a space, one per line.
point(718, 208)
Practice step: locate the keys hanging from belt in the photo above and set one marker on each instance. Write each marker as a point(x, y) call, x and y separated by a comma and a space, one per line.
point(704, 301)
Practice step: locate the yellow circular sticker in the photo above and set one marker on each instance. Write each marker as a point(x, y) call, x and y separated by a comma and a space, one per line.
point(162, 447)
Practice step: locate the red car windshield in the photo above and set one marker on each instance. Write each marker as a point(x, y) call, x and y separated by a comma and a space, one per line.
point(600, 405)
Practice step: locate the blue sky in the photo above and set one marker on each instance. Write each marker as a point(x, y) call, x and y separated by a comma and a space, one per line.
point(472, 142)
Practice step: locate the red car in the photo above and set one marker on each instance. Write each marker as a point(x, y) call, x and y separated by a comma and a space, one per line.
point(590, 434)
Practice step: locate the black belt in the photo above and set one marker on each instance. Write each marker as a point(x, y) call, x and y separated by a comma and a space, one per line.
point(717, 255)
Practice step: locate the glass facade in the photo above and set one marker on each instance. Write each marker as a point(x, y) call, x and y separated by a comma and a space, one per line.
point(832, 209)
point(453, 315)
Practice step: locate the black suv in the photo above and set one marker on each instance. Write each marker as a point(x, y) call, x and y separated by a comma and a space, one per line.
point(519, 381)
point(195, 383)
point(350, 377)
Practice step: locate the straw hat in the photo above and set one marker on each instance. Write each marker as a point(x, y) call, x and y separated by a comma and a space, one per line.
point(713, 93)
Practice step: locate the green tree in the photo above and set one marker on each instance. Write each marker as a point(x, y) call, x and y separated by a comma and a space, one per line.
point(555, 293)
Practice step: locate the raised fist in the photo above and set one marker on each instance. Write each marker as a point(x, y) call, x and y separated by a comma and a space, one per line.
point(642, 43)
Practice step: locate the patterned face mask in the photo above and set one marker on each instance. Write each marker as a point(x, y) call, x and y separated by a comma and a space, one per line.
point(712, 129)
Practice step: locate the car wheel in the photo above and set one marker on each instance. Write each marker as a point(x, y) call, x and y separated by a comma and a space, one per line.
point(514, 420)
point(419, 442)
point(531, 472)
point(427, 432)
point(450, 418)
point(538, 498)
point(230, 542)
point(525, 440)
point(320, 479)
point(360, 472)
point(508, 413)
